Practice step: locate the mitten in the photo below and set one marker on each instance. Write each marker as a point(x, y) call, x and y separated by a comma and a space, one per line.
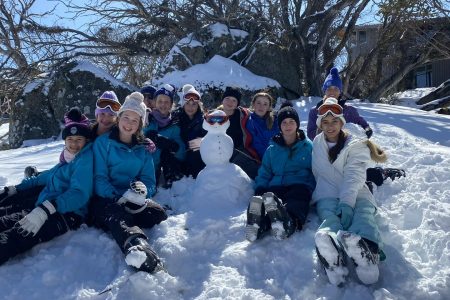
point(135, 194)
point(33, 222)
point(345, 213)
point(369, 132)
point(10, 190)
point(152, 134)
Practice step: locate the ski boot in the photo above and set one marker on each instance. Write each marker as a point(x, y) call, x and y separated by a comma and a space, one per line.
point(282, 224)
point(30, 171)
point(331, 256)
point(363, 254)
point(393, 173)
point(254, 218)
point(140, 256)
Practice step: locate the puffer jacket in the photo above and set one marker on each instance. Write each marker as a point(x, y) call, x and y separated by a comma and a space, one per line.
point(345, 177)
point(283, 165)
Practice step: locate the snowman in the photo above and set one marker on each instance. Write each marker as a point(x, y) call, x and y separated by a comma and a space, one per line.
point(221, 185)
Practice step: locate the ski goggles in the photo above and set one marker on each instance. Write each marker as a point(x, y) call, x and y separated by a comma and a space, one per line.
point(105, 103)
point(333, 109)
point(192, 97)
point(216, 119)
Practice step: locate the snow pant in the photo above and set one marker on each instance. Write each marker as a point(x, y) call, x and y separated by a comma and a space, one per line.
point(13, 243)
point(294, 198)
point(124, 226)
point(193, 163)
point(170, 167)
point(363, 222)
point(246, 162)
point(23, 200)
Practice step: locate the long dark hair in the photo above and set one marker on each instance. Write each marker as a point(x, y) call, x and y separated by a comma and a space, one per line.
point(336, 149)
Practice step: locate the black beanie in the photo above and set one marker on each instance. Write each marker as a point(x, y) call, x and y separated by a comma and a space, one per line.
point(287, 111)
point(232, 92)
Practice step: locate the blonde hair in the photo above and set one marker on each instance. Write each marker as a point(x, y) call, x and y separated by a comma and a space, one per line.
point(269, 116)
point(376, 153)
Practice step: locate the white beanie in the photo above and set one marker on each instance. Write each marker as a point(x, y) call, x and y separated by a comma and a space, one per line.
point(330, 102)
point(135, 102)
point(188, 89)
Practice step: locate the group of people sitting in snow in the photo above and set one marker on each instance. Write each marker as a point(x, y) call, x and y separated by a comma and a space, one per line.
point(108, 173)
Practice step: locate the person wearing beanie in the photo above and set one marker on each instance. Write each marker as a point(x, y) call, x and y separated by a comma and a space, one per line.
point(149, 96)
point(124, 181)
point(244, 155)
point(164, 130)
point(55, 201)
point(262, 124)
point(190, 120)
point(107, 108)
point(345, 205)
point(332, 87)
point(284, 183)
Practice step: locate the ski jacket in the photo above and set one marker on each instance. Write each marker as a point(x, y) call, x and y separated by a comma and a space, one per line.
point(260, 134)
point(351, 115)
point(242, 139)
point(190, 128)
point(345, 177)
point(171, 131)
point(117, 164)
point(286, 165)
point(68, 185)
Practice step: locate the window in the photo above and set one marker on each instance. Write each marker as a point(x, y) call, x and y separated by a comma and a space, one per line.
point(423, 76)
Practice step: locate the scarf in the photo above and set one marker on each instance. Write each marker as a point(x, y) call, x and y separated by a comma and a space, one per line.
point(66, 156)
point(160, 119)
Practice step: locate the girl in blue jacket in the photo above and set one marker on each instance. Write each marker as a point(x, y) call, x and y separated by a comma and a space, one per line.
point(262, 124)
point(284, 183)
point(124, 180)
point(43, 207)
point(164, 130)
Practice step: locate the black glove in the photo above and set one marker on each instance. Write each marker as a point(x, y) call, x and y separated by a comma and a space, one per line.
point(369, 132)
point(164, 143)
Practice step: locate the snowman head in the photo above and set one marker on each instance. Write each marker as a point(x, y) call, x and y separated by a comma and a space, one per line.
point(216, 121)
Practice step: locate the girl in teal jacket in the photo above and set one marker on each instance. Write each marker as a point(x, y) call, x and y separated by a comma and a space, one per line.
point(124, 181)
point(48, 205)
point(163, 129)
point(284, 183)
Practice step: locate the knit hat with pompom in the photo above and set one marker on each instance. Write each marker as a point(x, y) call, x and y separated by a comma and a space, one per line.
point(75, 123)
point(135, 102)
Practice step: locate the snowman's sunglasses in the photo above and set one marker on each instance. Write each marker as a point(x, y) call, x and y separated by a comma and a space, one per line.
point(216, 119)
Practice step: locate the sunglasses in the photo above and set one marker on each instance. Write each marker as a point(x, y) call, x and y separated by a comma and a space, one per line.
point(192, 97)
point(216, 119)
point(105, 103)
point(335, 110)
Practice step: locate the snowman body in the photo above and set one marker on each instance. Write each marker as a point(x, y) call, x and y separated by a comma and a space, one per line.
point(222, 184)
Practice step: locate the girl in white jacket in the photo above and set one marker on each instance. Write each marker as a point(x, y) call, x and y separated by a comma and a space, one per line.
point(344, 203)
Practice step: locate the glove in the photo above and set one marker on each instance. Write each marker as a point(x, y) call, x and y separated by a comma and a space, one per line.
point(135, 194)
point(165, 143)
point(150, 145)
point(369, 132)
point(345, 213)
point(194, 144)
point(33, 222)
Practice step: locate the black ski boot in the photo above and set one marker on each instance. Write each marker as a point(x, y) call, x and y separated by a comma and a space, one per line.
point(140, 256)
point(30, 171)
point(254, 218)
point(331, 256)
point(393, 173)
point(282, 224)
point(364, 254)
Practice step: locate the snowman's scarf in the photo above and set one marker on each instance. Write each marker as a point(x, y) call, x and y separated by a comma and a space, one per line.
point(160, 119)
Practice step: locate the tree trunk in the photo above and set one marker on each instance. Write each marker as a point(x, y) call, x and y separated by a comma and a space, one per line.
point(442, 91)
point(439, 103)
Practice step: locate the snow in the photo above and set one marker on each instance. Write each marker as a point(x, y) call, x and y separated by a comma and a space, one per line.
point(218, 30)
point(203, 245)
point(88, 66)
point(218, 72)
point(189, 41)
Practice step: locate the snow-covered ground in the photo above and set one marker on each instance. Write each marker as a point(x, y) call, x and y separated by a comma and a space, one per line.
point(210, 258)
